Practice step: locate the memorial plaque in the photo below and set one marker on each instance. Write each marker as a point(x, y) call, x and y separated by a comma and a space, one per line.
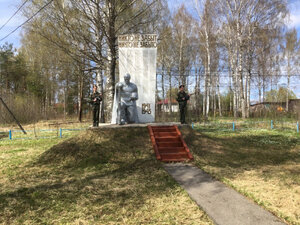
point(146, 108)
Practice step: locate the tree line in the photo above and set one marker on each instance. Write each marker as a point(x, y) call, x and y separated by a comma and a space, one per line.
point(219, 49)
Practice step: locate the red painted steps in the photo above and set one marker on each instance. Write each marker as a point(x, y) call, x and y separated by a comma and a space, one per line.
point(168, 144)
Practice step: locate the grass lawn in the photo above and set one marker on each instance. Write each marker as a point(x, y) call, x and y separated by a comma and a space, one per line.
point(94, 177)
point(264, 165)
point(99, 177)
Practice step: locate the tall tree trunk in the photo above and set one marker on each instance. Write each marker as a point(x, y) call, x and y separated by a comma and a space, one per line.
point(240, 70)
point(65, 103)
point(170, 89)
point(197, 93)
point(235, 96)
point(208, 75)
point(245, 92)
point(214, 102)
point(288, 85)
point(204, 96)
point(234, 80)
point(230, 91)
point(110, 83)
point(259, 88)
point(100, 86)
point(80, 94)
point(163, 87)
point(248, 95)
point(181, 69)
point(219, 95)
point(112, 56)
point(264, 89)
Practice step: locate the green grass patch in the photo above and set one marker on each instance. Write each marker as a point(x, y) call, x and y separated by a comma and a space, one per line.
point(107, 176)
point(262, 164)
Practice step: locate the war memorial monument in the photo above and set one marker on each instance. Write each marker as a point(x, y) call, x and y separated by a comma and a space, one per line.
point(134, 100)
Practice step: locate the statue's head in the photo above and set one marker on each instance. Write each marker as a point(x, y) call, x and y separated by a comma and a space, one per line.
point(127, 78)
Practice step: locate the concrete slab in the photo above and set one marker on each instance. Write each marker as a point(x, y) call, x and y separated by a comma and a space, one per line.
point(223, 205)
point(113, 126)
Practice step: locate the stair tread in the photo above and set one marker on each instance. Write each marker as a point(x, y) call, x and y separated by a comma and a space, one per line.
point(170, 143)
point(162, 147)
point(173, 153)
point(166, 134)
point(174, 160)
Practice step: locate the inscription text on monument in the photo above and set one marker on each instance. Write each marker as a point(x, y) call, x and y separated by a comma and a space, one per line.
point(137, 41)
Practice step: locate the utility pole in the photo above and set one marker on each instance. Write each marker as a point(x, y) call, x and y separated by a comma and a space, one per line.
point(12, 115)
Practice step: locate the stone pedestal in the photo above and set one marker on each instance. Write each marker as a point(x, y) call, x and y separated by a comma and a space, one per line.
point(137, 56)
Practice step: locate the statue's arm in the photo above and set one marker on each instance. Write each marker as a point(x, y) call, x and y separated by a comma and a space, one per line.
point(119, 85)
point(134, 94)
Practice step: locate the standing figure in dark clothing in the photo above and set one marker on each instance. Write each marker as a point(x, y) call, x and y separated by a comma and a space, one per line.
point(182, 99)
point(95, 100)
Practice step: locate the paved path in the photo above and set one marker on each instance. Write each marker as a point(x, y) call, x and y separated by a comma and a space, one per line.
point(222, 204)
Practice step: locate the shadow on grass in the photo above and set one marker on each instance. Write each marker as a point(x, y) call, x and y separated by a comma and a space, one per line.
point(244, 151)
point(106, 174)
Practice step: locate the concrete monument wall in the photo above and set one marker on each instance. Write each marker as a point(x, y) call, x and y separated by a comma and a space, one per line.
point(137, 56)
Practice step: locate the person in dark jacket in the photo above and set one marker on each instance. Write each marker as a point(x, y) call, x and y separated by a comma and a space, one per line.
point(182, 99)
point(95, 100)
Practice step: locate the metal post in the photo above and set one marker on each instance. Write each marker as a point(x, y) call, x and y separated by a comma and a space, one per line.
point(297, 127)
point(272, 124)
point(13, 115)
point(233, 126)
point(10, 135)
point(60, 132)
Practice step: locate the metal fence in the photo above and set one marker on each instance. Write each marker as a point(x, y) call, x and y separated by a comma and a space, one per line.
point(246, 125)
point(37, 133)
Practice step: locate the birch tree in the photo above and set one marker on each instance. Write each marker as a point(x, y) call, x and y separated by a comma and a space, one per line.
point(291, 48)
point(242, 17)
point(183, 31)
point(207, 35)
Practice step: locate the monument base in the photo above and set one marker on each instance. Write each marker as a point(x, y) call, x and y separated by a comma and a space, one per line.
point(116, 126)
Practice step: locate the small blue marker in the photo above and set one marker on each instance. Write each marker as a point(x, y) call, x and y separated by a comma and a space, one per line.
point(272, 124)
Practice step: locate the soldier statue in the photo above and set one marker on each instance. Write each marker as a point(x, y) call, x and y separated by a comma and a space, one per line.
point(182, 99)
point(95, 99)
point(127, 94)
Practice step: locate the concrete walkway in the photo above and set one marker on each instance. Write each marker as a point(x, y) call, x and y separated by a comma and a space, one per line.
point(221, 203)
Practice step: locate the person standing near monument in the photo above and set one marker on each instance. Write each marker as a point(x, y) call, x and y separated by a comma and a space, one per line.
point(127, 94)
point(182, 99)
point(95, 100)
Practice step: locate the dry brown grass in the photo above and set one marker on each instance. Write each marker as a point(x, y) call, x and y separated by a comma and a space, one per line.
point(47, 124)
point(96, 177)
point(262, 165)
